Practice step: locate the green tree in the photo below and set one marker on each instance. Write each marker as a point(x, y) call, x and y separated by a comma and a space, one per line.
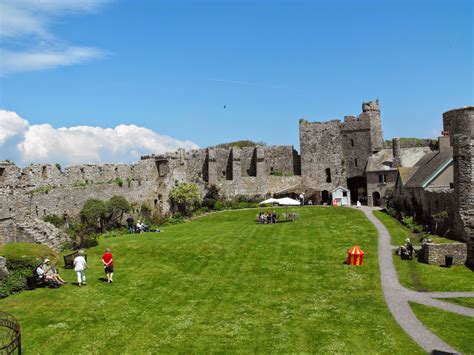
point(186, 197)
point(94, 213)
point(116, 207)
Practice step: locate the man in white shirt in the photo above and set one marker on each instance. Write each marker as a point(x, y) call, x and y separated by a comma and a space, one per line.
point(80, 266)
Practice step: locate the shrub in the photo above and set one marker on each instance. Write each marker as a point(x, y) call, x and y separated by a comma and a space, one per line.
point(55, 220)
point(15, 282)
point(145, 211)
point(116, 207)
point(412, 225)
point(186, 197)
point(119, 181)
point(93, 213)
point(212, 192)
point(208, 202)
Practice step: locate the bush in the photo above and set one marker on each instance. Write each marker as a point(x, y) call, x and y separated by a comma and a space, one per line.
point(145, 211)
point(116, 207)
point(16, 282)
point(93, 213)
point(186, 197)
point(208, 202)
point(412, 225)
point(55, 220)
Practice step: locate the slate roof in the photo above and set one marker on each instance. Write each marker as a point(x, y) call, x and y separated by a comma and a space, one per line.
point(428, 165)
point(383, 160)
point(406, 173)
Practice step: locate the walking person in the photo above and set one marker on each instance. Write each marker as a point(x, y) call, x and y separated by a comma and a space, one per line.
point(80, 267)
point(130, 224)
point(108, 262)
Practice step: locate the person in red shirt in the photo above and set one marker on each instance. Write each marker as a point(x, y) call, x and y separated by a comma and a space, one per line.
point(108, 262)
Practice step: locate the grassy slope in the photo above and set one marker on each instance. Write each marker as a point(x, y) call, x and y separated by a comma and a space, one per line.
point(457, 330)
point(29, 250)
point(223, 283)
point(424, 277)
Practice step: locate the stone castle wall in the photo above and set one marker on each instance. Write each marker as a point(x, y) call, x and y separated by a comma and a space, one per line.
point(435, 254)
point(334, 151)
point(322, 155)
point(459, 124)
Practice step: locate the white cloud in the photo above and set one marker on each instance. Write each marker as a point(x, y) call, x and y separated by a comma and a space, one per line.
point(13, 62)
point(27, 40)
point(81, 144)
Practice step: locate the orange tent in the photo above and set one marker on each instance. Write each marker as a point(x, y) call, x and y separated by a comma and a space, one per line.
point(355, 256)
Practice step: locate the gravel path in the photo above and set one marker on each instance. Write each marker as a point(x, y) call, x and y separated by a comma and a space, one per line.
point(397, 296)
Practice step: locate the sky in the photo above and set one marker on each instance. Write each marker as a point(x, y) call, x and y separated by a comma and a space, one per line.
point(91, 81)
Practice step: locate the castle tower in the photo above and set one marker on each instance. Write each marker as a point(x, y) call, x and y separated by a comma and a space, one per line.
point(322, 156)
point(460, 125)
point(371, 113)
point(397, 162)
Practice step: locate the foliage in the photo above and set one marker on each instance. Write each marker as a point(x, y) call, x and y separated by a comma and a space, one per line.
point(80, 184)
point(116, 207)
point(41, 189)
point(281, 173)
point(54, 219)
point(240, 144)
point(420, 276)
point(93, 214)
point(32, 252)
point(145, 211)
point(211, 197)
point(58, 166)
point(22, 258)
point(15, 282)
point(412, 225)
point(118, 181)
point(223, 284)
point(81, 235)
point(186, 197)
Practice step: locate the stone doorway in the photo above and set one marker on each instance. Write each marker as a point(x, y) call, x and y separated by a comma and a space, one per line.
point(376, 198)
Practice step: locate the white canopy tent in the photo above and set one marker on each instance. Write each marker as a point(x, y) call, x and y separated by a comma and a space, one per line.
point(286, 201)
point(269, 201)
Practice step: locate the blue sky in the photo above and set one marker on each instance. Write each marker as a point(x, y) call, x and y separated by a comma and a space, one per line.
point(171, 66)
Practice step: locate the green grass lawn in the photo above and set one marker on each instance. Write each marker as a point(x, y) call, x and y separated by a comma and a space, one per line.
point(455, 329)
point(462, 301)
point(420, 276)
point(222, 283)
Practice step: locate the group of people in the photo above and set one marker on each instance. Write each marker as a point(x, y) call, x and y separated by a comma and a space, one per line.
point(48, 274)
point(267, 217)
point(80, 266)
point(405, 251)
point(140, 227)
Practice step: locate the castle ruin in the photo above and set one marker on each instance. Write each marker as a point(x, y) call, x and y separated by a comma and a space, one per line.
point(332, 154)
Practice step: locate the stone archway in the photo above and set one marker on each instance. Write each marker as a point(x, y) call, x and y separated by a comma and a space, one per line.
point(376, 198)
point(325, 197)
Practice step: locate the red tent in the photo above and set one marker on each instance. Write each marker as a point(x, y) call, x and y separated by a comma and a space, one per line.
point(355, 256)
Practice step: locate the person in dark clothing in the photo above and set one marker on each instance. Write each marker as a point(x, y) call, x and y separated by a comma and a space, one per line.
point(130, 224)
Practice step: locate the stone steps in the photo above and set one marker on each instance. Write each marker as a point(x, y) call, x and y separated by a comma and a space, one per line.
point(37, 231)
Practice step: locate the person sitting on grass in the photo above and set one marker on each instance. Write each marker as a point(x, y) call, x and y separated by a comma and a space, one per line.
point(51, 272)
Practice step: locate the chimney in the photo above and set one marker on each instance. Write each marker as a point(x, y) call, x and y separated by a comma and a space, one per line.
point(397, 160)
point(443, 141)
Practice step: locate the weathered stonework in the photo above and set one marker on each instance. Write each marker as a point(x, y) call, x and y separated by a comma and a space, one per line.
point(435, 254)
point(3, 268)
point(460, 126)
point(333, 153)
